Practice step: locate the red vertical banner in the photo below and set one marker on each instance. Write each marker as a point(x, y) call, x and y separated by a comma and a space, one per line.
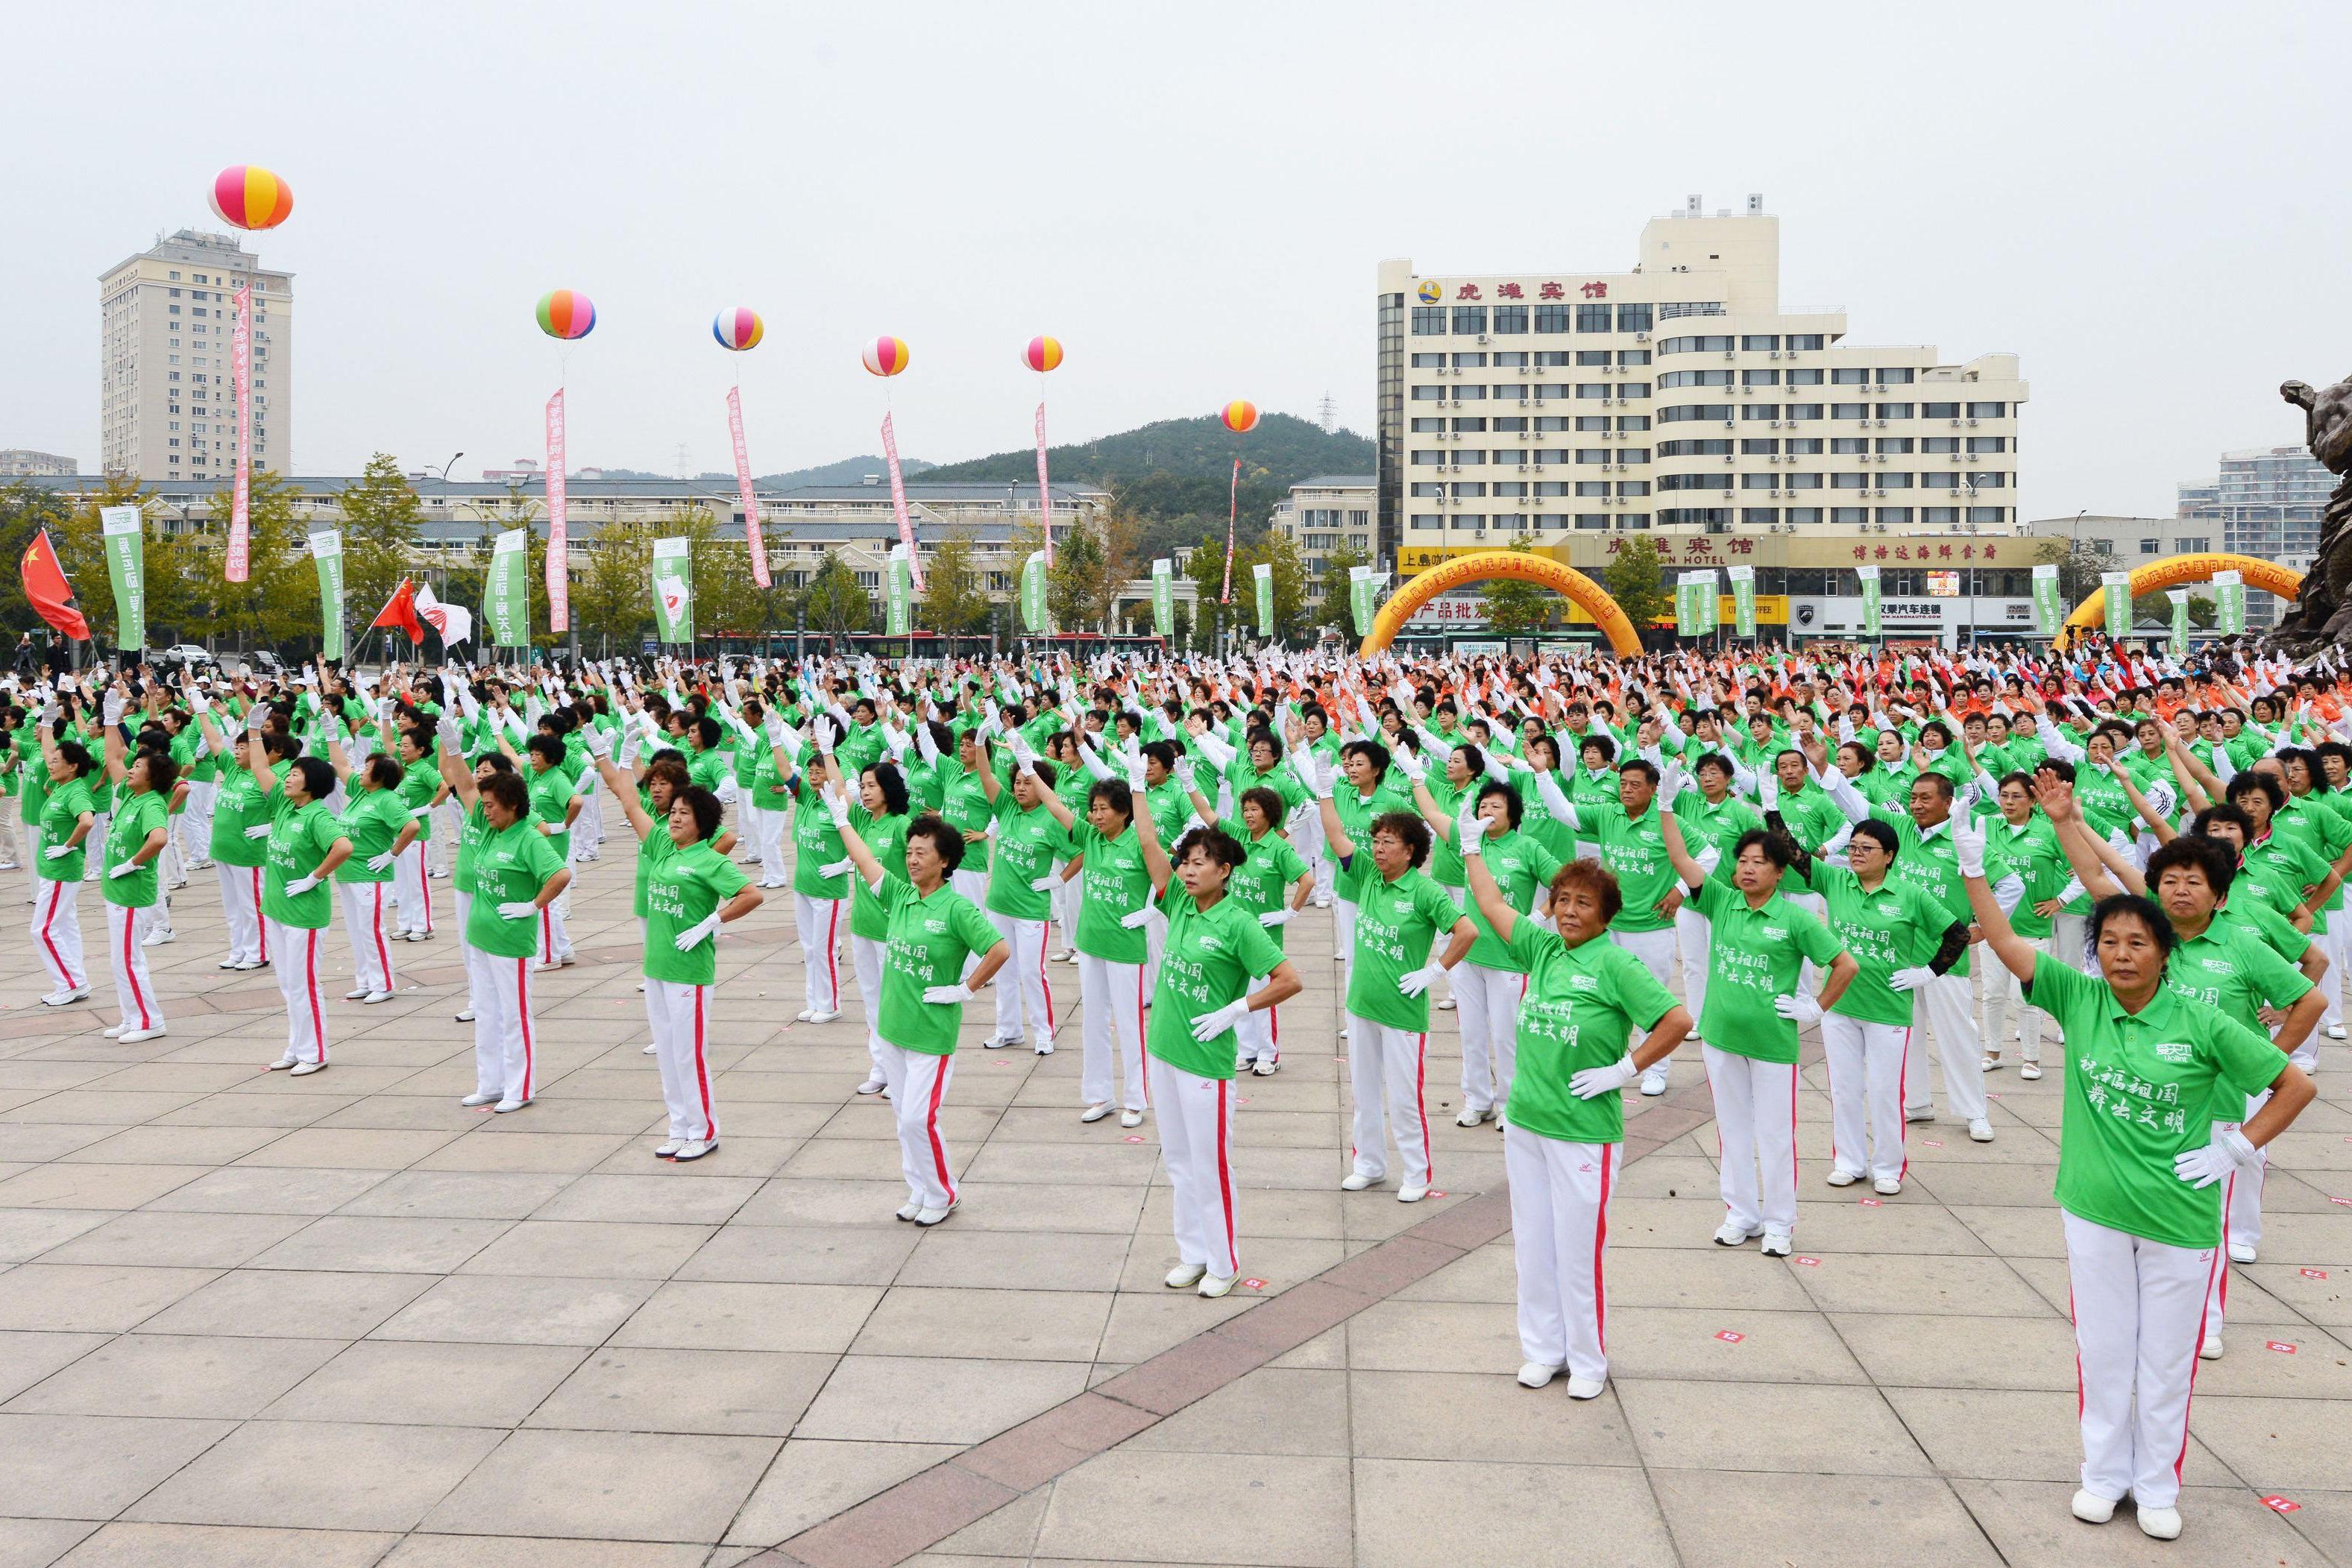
point(1232, 506)
point(743, 486)
point(559, 547)
point(899, 502)
point(240, 362)
point(1045, 496)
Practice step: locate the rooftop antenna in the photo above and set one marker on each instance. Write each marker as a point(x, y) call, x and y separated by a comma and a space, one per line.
point(1328, 413)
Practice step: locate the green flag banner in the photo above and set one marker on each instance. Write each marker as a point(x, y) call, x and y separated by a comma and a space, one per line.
point(126, 566)
point(1032, 594)
point(1685, 608)
point(1743, 599)
point(326, 550)
point(673, 589)
point(1163, 596)
point(2117, 587)
point(898, 585)
point(2180, 597)
point(1363, 597)
point(2230, 602)
point(506, 592)
point(1869, 575)
point(1264, 576)
point(2049, 610)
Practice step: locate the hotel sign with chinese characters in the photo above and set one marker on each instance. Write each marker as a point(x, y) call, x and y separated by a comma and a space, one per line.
point(1468, 291)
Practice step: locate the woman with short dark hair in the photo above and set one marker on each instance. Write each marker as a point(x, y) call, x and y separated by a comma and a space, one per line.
point(68, 813)
point(305, 847)
point(138, 829)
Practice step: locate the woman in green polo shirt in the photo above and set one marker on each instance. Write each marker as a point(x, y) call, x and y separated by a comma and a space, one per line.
point(1565, 1127)
point(2140, 1164)
point(931, 930)
point(517, 873)
point(880, 817)
point(68, 813)
point(137, 831)
point(1017, 884)
point(305, 846)
point(381, 825)
point(1107, 851)
point(1273, 883)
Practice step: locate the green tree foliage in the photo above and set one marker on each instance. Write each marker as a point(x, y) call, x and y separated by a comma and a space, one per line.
point(1289, 584)
point(614, 598)
point(1335, 612)
point(278, 600)
point(381, 521)
point(1515, 608)
point(1283, 447)
point(2158, 608)
point(954, 604)
point(1636, 580)
point(2079, 567)
point(834, 602)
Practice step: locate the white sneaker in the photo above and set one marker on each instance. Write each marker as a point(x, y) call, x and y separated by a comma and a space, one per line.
point(1536, 1374)
point(285, 1062)
point(157, 938)
point(1654, 1082)
point(477, 1099)
point(2242, 1252)
point(133, 1036)
point(1991, 1063)
point(1734, 1234)
point(1925, 1113)
point(2160, 1524)
point(1886, 1186)
point(2210, 1348)
point(505, 1107)
point(1095, 1112)
point(1322, 902)
point(225, 964)
point(667, 1151)
point(694, 1149)
point(466, 1017)
point(247, 963)
point(1045, 1048)
point(1356, 1181)
point(1184, 1275)
point(1066, 955)
point(1845, 1179)
point(1585, 1387)
point(2029, 1070)
point(66, 999)
point(1980, 1131)
point(2093, 1508)
point(373, 997)
point(1412, 1193)
point(304, 1068)
point(825, 1018)
point(907, 1210)
point(928, 1217)
point(1778, 1244)
point(1445, 1004)
point(1269, 1067)
point(992, 1043)
point(2334, 1032)
point(113, 1031)
point(1212, 1287)
point(1130, 1118)
point(802, 1016)
point(1470, 1118)
point(872, 1086)
point(356, 996)
point(650, 1049)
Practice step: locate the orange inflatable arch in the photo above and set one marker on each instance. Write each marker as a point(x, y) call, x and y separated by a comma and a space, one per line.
point(2175, 570)
point(1541, 570)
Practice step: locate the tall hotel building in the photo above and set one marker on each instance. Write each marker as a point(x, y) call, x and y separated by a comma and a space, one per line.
point(1679, 396)
point(166, 395)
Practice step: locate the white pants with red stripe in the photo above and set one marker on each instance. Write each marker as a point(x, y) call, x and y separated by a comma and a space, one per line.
point(1867, 1062)
point(680, 1015)
point(818, 922)
point(413, 889)
point(505, 1044)
point(1559, 1239)
point(2241, 1215)
point(1656, 951)
point(1110, 1001)
point(240, 887)
point(2140, 1314)
point(363, 919)
point(2336, 927)
point(134, 993)
point(1259, 1034)
point(56, 931)
point(1024, 996)
point(555, 936)
point(1384, 1070)
point(1756, 1118)
point(1486, 1002)
point(472, 957)
point(1948, 1005)
point(865, 958)
point(1196, 1141)
point(297, 951)
point(919, 1084)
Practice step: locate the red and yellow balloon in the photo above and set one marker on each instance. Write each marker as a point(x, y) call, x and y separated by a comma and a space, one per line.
point(886, 356)
point(566, 313)
point(1041, 354)
point(1240, 416)
point(250, 197)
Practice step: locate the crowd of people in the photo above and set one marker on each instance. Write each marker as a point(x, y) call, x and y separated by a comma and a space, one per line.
point(1587, 860)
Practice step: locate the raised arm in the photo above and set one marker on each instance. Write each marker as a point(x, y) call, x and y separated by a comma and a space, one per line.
point(2016, 953)
point(623, 787)
point(1485, 891)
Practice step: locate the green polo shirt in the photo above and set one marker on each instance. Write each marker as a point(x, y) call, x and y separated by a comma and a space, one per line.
point(930, 935)
point(137, 816)
point(1397, 925)
point(1896, 926)
point(1755, 956)
point(1581, 1007)
point(510, 865)
point(1116, 885)
point(684, 888)
point(1209, 959)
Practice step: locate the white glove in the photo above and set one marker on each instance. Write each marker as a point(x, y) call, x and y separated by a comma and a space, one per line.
point(837, 806)
point(301, 886)
point(128, 868)
point(599, 744)
point(1415, 768)
point(258, 830)
point(1593, 1082)
point(56, 852)
point(2227, 1152)
point(1135, 775)
point(381, 862)
point(446, 729)
point(1184, 774)
point(114, 706)
point(1208, 1025)
point(1046, 884)
point(1419, 981)
point(1917, 978)
point(1801, 1008)
point(696, 935)
point(1767, 793)
point(1969, 845)
point(1135, 921)
point(945, 996)
point(835, 868)
point(523, 909)
point(1470, 835)
point(1274, 917)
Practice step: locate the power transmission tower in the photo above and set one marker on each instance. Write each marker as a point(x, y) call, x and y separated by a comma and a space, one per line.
point(1328, 413)
point(684, 462)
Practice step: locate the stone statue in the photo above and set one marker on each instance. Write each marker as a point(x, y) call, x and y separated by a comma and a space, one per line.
point(2322, 614)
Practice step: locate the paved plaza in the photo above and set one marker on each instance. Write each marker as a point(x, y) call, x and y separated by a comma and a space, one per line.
point(338, 1320)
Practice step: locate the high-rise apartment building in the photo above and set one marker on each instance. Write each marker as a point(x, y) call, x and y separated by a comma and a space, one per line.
point(2266, 502)
point(1679, 396)
point(166, 400)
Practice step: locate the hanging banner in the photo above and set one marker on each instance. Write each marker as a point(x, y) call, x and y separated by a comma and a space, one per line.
point(1233, 508)
point(1363, 597)
point(1869, 575)
point(326, 550)
point(506, 592)
point(897, 602)
point(123, 527)
point(674, 589)
point(559, 544)
point(1032, 594)
point(240, 506)
point(898, 500)
point(2229, 602)
point(1045, 496)
point(2180, 597)
point(751, 537)
point(1163, 596)
point(1694, 608)
point(1264, 575)
point(1743, 599)
point(2049, 612)
point(2117, 588)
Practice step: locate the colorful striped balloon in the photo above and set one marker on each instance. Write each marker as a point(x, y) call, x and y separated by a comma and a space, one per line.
point(886, 356)
point(1043, 354)
point(251, 197)
point(1240, 416)
point(567, 313)
point(738, 329)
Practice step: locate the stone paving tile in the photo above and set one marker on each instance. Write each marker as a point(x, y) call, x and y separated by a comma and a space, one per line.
point(177, 1374)
point(127, 1545)
point(314, 1474)
point(626, 1486)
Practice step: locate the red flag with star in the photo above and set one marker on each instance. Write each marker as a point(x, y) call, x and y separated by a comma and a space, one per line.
point(52, 597)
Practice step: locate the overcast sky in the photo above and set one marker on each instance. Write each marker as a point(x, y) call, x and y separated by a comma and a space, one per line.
point(2142, 200)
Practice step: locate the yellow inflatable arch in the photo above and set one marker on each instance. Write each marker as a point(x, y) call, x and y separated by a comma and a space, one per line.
point(1541, 570)
point(2175, 570)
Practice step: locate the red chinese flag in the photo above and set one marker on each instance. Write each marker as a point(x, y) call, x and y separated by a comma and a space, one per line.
point(399, 612)
point(51, 595)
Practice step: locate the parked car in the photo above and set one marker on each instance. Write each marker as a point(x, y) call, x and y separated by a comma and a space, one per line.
point(181, 655)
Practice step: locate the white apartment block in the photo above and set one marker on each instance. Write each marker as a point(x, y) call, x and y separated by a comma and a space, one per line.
point(1679, 396)
point(1328, 515)
point(24, 463)
point(166, 399)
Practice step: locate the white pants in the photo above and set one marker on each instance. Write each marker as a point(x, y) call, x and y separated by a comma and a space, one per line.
point(1946, 1005)
point(1024, 996)
point(12, 842)
point(1384, 1070)
point(865, 957)
point(1656, 951)
point(240, 889)
point(1487, 1003)
point(1755, 1119)
point(413, 889)
point(818, 922)
point(298, 981)
point(95, 844)
point(589, 831)
point(2004, 992)
point(473, 957)
point(505, 1051)
point(196, 822)
point(1258, 1037)
point(2337, 945)
point(1695, 934)
point(1809, 974)
point(2242, 1216)
point(134, 993)
point(555, 936)
point(57, 932)
point(1559, 1239)
point(447, 824)
point(1343, 937)
point(2140, 1314)
point(1065, 907)
point(370, 946)
point(768, 836)
point(1307, 837)
point(1196, 1138)
point(1867, 1062)
point(1110, 1010)
point(918, 1083)
point(680, 1014)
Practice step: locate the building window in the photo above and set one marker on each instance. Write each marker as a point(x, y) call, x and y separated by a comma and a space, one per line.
point(1995, 515)
point(1428, 361)
point(1696, 411)
point(1428, 426)
point(1805, 340)
point(1471, 318)
point(1759, 378)
point(1592, 489)
point(1510, 318)
point(1849, 411)
point(1850, 376)
point(1987, 409)
point(1592, 357)
point(1897, 375)
point(2191, 544)
point(1803, 376)
point(1551, 318)
point(1988, 443)
point(1469, 362)
point(1626, 422)
point(1894, 411)
point(1633, 356)
point(1633, 318)
point(2151, 546)
point(1895, 515)
point(1511, 362)
point(1466, 425)
point(1592, 389)
point(1429, 394)
point(1551, 359)
point(1429, 321)
point(1593, 318)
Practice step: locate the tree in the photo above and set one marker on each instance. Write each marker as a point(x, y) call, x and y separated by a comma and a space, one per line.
point(954, 604)
point(1207, 570)
point(614, 598)
point(278, 600)
point(24, 507)
point(2157, 607)
point(1636, 580)
point(1079, 589)
point(834, 602)
point(2079, 567)
point(1280, 552)
point(82, 552)
point(1515, 609)
point(1339, 587)
point(381, 521)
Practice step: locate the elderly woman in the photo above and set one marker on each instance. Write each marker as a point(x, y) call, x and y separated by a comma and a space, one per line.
point(305, 846)
point(68, 813)
point(138, 829)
